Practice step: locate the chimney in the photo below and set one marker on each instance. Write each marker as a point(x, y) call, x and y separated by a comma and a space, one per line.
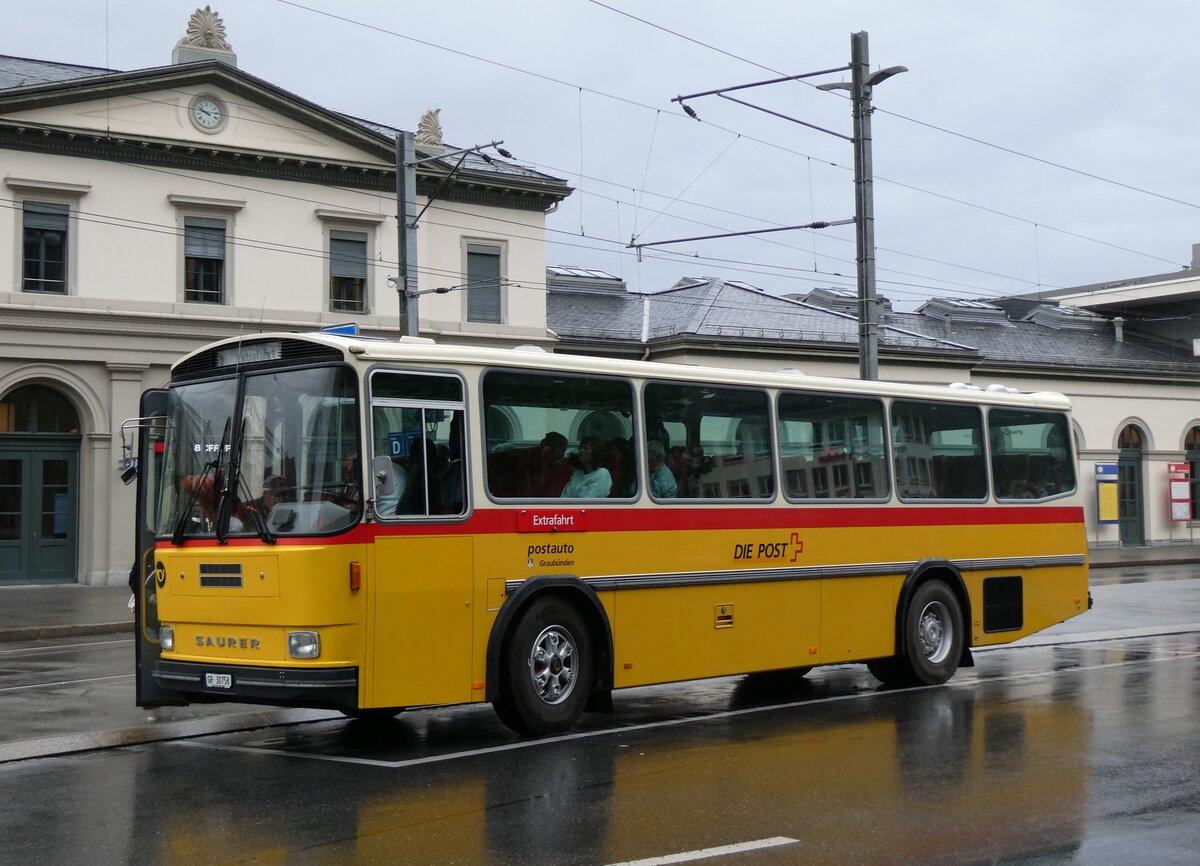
point(1195, 256)
point(204, 40)
point(1119, 327)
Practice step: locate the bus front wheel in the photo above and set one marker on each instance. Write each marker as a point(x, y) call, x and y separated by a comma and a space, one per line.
point(548, 669)
point(933, 640)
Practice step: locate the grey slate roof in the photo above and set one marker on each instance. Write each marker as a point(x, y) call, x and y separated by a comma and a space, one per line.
point(714, 309)
point(23, 72)
point(1034, 344)
point(710, 308)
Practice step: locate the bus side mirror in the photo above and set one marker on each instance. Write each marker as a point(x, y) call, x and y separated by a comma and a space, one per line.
point(381, 474)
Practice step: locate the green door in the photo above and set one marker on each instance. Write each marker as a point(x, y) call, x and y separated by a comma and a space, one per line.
point(38, 511)
point(1129, 497)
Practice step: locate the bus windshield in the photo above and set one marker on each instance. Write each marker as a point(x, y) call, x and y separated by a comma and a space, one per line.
point(283, 462)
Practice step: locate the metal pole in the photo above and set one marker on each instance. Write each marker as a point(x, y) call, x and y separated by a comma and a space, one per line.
point(864, 211)
point(406, 215)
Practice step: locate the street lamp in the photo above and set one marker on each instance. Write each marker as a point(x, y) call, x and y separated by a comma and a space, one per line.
point(860, 87)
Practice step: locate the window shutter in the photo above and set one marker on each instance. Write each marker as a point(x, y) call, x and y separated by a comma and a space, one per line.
point(46, 216)
point(348, 254)
point(483, 284)
point(204, 238)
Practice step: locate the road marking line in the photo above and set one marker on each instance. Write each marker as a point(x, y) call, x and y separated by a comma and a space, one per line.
point(540, 742)
point(65, 683)
point(66, 647)
point(1045, 640)
point(705, 853)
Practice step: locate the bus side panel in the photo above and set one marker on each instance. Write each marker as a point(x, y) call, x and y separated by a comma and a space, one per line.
point(423, 646)
point(858, 618)
point(1050, 596)
point(662, 635)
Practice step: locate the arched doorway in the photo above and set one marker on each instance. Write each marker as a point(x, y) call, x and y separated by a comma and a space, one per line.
point(39, 486)
point(1129, 487)
point(1191, 449)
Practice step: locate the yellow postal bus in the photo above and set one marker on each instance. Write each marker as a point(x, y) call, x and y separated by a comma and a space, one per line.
point(369, 525)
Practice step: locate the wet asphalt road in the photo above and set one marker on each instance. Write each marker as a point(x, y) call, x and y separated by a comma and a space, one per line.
point(1071, 750)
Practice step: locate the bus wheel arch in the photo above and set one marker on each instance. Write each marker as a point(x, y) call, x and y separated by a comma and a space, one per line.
point(545, 613)
point(932, 638)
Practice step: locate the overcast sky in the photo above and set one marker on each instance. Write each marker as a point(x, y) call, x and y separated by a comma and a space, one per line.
point(1030, 144)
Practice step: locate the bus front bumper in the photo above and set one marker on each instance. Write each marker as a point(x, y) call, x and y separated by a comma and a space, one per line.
point(329, 688)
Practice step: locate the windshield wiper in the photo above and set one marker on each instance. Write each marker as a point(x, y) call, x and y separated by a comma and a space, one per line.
point(256, 513)
point(213, 466)
point(229, 489)
point(181, 523)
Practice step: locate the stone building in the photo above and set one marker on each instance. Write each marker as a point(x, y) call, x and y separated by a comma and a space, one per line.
point(151, 211)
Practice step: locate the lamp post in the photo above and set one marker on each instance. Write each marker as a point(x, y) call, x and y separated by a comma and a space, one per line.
point(860, 87)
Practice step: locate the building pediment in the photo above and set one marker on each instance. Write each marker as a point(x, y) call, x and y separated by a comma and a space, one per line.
point(168, 104)
point(165, 116)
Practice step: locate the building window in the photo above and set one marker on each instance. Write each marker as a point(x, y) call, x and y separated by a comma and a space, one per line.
point(204, 260)
point(45, 242)
point(483, 283)
point(347, 272)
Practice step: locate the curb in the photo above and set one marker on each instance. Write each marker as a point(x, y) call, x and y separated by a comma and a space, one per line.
point(159, 732)
point(49, 632)
point(1139, 563)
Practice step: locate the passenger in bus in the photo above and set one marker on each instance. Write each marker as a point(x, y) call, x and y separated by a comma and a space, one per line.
point(350, 476)
point(423, 497)
point(553, 471)
point(662, 481)
point(453, 480)
point(274, 490)
point(590, 480)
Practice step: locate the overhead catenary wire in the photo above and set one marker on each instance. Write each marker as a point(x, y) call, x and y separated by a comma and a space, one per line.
point(834, 164)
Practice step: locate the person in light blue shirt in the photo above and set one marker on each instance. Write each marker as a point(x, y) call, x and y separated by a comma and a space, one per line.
point(662, 481)
point(589, 481)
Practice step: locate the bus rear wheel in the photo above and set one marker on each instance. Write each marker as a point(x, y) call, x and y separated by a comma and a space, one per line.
point(933, 640)
point(548, 669)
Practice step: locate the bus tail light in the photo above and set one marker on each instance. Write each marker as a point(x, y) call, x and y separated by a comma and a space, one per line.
point(304, 644)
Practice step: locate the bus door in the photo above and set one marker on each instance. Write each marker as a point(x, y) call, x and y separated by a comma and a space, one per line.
point(143, 577)
point(421, 651)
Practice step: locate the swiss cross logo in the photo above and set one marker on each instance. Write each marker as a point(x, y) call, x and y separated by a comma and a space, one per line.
point(797, 545)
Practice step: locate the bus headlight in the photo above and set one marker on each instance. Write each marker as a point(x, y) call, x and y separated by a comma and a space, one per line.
point(166, 638)
point(304, 644)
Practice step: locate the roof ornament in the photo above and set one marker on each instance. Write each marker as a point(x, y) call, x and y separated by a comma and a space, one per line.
point(429, 129)
point(205, 29)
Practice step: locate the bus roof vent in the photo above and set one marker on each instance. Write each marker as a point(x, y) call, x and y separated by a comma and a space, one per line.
point(964, 386)
point(790, 371)
point(417, 341)
point(1001, 389)
point(528, 347)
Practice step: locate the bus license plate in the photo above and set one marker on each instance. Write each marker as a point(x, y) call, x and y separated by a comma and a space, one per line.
point(218, 681)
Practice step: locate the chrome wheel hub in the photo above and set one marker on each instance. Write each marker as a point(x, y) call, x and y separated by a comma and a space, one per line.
point(552, 664)
point(935, 632)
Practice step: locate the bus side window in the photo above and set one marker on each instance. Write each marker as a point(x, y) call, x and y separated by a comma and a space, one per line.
point(938, 451)
point(724, 447)
point(417, 421)
point(533, 420)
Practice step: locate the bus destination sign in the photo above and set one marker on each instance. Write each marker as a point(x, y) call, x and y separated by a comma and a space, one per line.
point(250, 354)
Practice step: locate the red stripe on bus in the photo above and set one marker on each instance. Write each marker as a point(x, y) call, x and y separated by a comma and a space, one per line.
point(499, 521)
